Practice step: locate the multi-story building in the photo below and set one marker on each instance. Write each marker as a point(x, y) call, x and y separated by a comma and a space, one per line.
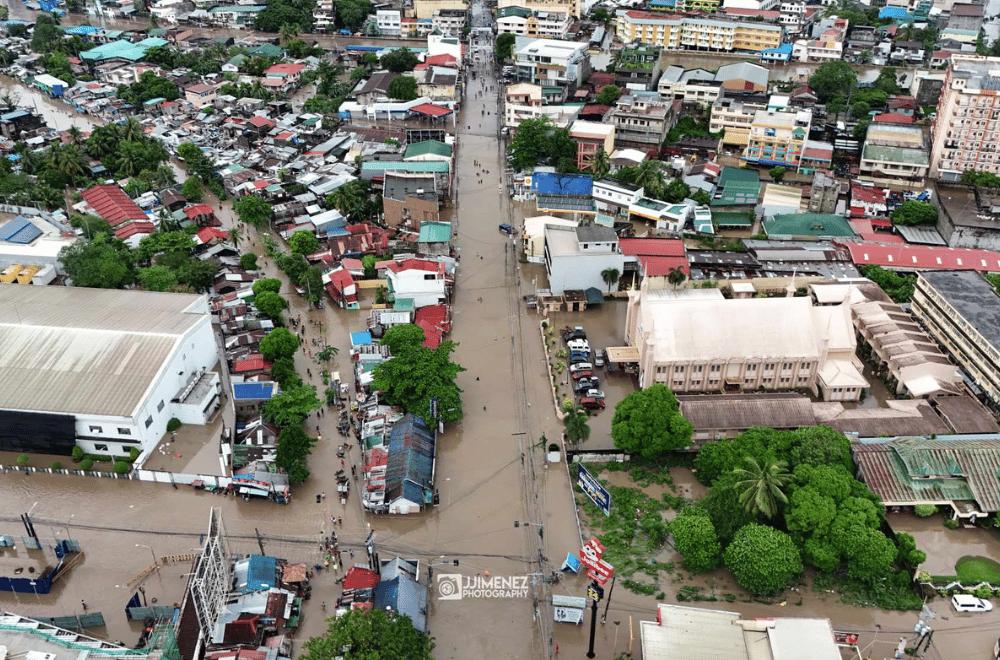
point(526, 101)
point(703, 86)
point(895, 152)
point(425, 9)
point(591, 137)
point(829, 45)
point(681, 339)
point(450, 21)
point(549, 62)
point(234, 15)
point(525, 22)
point(792, 17)
point(696, 33)
point(388, 22)
point(961, 310)
point(777, 138)
point(572, 7)
point(752, 5)
point(641, 121)
point(637, 68)
point(324, 16)
point(733, 118)
point(824, 193)
point(576, 256)
point(967, 127)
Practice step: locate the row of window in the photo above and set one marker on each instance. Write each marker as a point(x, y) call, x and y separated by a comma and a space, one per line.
point(716, 368)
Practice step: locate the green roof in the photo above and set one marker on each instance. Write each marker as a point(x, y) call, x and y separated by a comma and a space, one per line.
point(736, 187)
point(732, 218)
point(157, 32)
point(403, 305)
point(426, 147)
point(267, 50)
point(238, 9)
point(896, 154)
point(808, 224)
point(122, 49)
point(504, 12)
point(435, 232)
point(432, 166)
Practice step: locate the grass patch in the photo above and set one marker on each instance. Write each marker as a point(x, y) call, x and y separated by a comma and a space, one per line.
point(639, 587)
point(973, 570)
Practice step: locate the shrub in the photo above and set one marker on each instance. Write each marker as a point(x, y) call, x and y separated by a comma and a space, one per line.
point(984, 591)
point(173, 424)
point(951, 523)
point(23, 459)
point(77, 454)
point(133, 454)
point(56, 465)
point(121, 467)
point(924, 510)
point(86, 464)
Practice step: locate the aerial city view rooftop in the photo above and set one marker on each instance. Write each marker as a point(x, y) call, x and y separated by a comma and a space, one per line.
point(476, 329)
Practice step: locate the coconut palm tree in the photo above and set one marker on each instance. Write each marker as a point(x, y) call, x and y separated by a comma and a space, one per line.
point(67, 160)
point(676, 277)
point(235, 235)
point(102, 141)
point(287, 32)
point(350, 199)
point(600, 165)
point(649, 174)
point(759, 486)
point(75, 135)
point(163, 177)
point(131, 130)
point(610, 277)
point(577, 429)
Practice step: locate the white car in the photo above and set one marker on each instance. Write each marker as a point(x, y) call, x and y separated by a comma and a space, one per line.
point(966, 603)
point(595, 394)
point(579, 345)
point(581, 366)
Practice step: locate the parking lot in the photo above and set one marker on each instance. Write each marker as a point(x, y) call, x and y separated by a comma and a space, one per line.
point(605, 326)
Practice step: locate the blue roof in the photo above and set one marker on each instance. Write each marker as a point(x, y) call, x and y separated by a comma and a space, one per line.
point(550, 183)
point(783, 49)
point(662, 3)
point(82, 29)
point(404, 596)
point(410, 463)
point(14, 114)
point(261, 572)
point(361, 338)
point(892, 12)
point(244, 391)
point(19, 230)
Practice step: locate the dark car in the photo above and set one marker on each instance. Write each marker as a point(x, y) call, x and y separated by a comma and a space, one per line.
point(583, 374)
point(579, 356)
point(585, 385)
point(574, 333)
point(507, 229)
point(590, 403)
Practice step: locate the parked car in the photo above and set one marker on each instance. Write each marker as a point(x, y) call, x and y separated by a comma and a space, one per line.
point(583, 374)
point(584, 385)
point(590, 403)
point(581, 366)
point(600, 358)
point(966, 603)
point(507, 229)
point(579, 356)
point(595, 393)
point(570, 334)
point(578, 345)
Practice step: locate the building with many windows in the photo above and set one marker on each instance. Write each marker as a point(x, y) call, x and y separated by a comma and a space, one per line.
point(525, 22)
point(777, 138)
point(961, 310)
point(549, 62)
point(894, 153)
point(637, 68)
point(572, 7)
point(641, 121)
point(672, 32)
point(967, 127)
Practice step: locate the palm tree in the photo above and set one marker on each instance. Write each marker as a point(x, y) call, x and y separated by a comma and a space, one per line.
point(577, 429)
point(287, 32)
point(131, 130)
point(349, 200)
point(75, 135)
point(676, 277)
point(649, 174)
point(610, 276)
point(235, 234)
point(163, 177)
point(759, 486)
point(600, 165)
point(67, 160)
point(103, 141)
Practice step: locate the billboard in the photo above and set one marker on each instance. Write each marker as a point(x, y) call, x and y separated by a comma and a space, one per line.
point(593, 488)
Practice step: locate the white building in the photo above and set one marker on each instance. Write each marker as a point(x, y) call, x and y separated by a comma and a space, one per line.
point(425, 282)
point(551, 63)
point(388, 22)
point(104, 369)
point(966, 130)
point(687, 340)
point(533, 236)
point(613, 199)
point(576, 257)
point(29, 250)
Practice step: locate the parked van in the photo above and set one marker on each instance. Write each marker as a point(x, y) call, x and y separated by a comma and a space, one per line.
point(580, 366)
point(590, 403)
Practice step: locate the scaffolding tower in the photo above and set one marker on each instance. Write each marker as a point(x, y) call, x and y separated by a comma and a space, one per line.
point(211, 577)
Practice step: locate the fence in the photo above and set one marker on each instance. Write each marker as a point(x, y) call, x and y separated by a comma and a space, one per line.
point(155, 476)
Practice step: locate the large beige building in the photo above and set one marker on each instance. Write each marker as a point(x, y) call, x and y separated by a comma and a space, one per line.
point(695, 33)
point(694, 340)
point(967, 127)
point(427, 9)
point(572, 7)
point(894, 152)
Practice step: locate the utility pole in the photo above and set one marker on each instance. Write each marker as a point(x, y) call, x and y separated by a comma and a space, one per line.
point(260, 541)
point(607, 605)
point(595, 592)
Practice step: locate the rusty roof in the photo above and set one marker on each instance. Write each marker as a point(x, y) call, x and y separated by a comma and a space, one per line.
point(744, 411)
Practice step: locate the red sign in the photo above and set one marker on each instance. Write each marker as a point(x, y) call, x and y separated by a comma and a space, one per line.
point(597, 569)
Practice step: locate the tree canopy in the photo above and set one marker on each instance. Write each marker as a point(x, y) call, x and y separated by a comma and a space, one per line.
point(253, 210)
point(649, 422)
point(504, 46)
point(539, 142)
point(271, 284)
point(400, 338)
point(833, 79)
point(291, 406)
point(279, 343)
point(104, 262)
point(303, 242)
point(608, 95)
point(898, 286)
point(402, 88)
point(270, 304)
point(372, 635)
point(695, 538)
point(915, 213)
point(399, 60)
point(415, 375)
point(762, 559)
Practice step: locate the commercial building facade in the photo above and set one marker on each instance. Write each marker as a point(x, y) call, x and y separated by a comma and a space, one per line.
point(967, 127)
point(549, 62)
point(778, 138)
point(696, 33)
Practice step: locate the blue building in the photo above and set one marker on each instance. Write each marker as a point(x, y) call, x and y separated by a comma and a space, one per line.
point(51, 85)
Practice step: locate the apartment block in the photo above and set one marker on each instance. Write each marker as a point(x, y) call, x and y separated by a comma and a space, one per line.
point(961, 310)
point(672, 32)
point(525, 22)
point(637, 68)
point(966, 132)
point(778, 138)
point(641, 121)
point(572, 7)
point(895, 152)
point(733, 118)
point(551, 63)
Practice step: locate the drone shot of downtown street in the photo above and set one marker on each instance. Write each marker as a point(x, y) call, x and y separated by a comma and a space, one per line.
point(739, 260)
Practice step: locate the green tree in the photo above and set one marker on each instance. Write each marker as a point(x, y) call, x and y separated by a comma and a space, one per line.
point(908, 556)
point(271, 284)
point(157, 278)
point(760, 487)
point(195, 273)
point(981, 179)
point(777, 173)
point(898, 286)
point(600, 165)
point(404, 337)
point(248, 261)
point(312, 281)
point(701, 197)
point(291, 406)
point(372, 635)
point(821, 445)
point(610, 277)
point(349, 199)
point(833, 79)
point(915, 213)
point(253, 210)
point(676, 276)
point(47, 36)
point(399, 60)
point(278, 343)
point(696, 540)
point(369, 261)
point(414, 376)
point(402, 88)
point(504, 46)
point(283, 371)
point(576, 427)
point(871, 555)
point(163, 242)
point(294, 446)
point(762, 559)
point(271, 304)
point(608, 95)
point(235, 236)
point(676, 191)
point(103, 262)
point(287, 32)
point(193, 189)
point(649, 422)
point(860, 109)
point(538, 141)
point(303, 242)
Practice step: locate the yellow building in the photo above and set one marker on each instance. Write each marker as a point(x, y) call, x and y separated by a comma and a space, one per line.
point(695, 33)
point(425, 9)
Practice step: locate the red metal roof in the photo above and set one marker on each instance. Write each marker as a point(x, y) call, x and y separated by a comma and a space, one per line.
point(251, 363)
point(111, 203)
point(193, 212)
point(260, 122)
point(133, 227)
point(659, 266)
point(207, 234)
point(893, 118)
point(653, 247)
point(360, 578)
point(288, 69)
point(430, 110)
point(922, 257)
point(415, 264)
point(434, 321)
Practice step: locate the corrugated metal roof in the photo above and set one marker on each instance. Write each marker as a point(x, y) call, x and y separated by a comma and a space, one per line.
point(408, 166)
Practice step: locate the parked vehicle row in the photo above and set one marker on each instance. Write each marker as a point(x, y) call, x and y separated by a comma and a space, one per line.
point(583, 361)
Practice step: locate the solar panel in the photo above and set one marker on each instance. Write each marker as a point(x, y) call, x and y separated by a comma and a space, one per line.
point(12, 227)
point(26, 235)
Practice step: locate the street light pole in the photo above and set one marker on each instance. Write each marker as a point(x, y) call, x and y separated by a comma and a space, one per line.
point(66, 526)
point(153, 554)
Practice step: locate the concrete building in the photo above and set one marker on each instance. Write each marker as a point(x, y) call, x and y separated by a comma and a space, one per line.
point(777, 138)
point(29, 249)
point(576, 256)
point(682, 338)
point(388, 22)
point(824, 193)
point(613, 199)
point(551, 63)
point(408, 200)
point(961, 310)
point(103, 369)
point(637, 68)
point(450, 21)
point(574, 8)
point(201, 95)
point(533, 235)
point(733, 118)
point(521, 21)
point(894, 153)
point(425, 282)
point(828, 44)
point(425, 9)
point(641, 121)
point(672, 32)
point(591, 137)
point(967, 127)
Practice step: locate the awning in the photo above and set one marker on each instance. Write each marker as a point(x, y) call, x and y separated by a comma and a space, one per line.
point(244, 490)
point(619, 354)
point(594, 296)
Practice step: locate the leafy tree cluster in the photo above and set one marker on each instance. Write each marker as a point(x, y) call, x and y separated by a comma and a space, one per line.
point(254, 90)
point(915, 213)
point(197, 162)
point(539, 142)
point(688, 126)
point(374, 635)
point(288, 410)
point(57, 64)
point(648, 422)
point(330, 90)
point(898, 286)
point(650, 175)
point(149, 86)
point(833, 81)
point(351, 14)
point(202, 62)
point(402, 88)
point(416, 374)
point(504, 46)
point(279, 13)
point(299, 50)
point(399, 60)
point(354, 200)
point(981, 179)
point(608, 95)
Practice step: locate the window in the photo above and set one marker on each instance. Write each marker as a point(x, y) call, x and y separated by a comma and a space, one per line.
point(679, 369)
point(159, 406)
point(716, 368)
point(786, 366)
point(96, 429)
point(100, 447)
point(769, 366)
point(149, 421)
point(751, 367)
point(430, 277)
point(124, 431)
point(697, 368)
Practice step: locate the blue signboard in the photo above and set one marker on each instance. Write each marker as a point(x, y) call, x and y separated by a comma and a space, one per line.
point(594, 490)
point(434, 408)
